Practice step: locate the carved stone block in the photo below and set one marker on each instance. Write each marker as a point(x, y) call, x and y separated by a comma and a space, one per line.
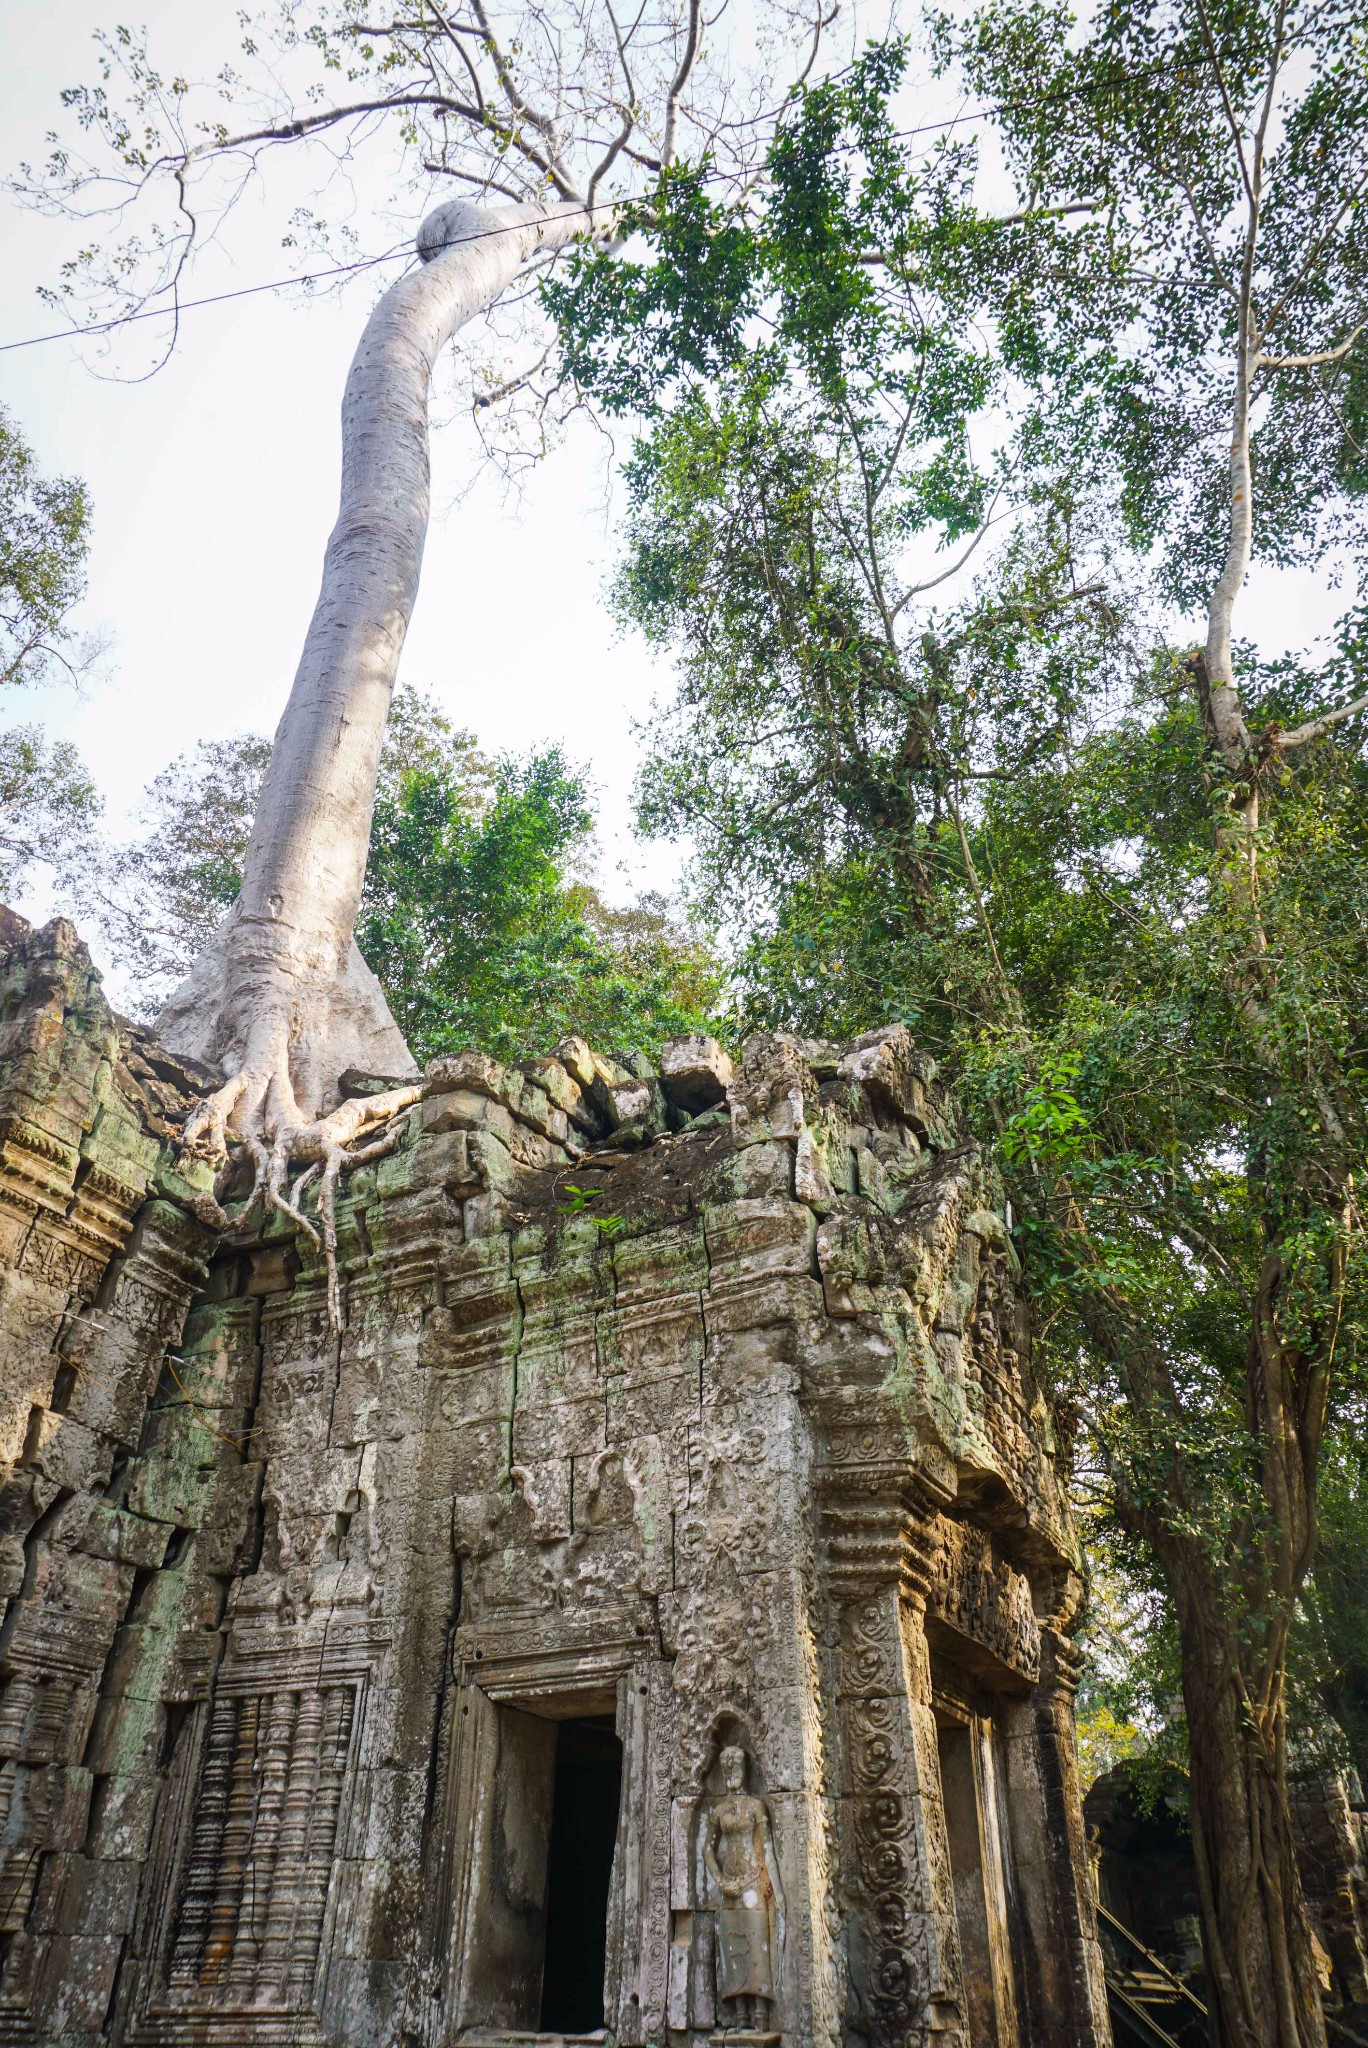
point(643, 1509)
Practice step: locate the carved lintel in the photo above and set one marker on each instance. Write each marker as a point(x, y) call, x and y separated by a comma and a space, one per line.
point(983, 1603)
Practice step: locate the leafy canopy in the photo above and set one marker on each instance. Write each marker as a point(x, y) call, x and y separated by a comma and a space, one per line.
point(996, 812)
point(474, 914)
point(1216, 154)
point(44, 539)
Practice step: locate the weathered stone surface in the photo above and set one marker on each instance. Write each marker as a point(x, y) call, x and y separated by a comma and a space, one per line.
point(715, 1456)
point(696, 1073)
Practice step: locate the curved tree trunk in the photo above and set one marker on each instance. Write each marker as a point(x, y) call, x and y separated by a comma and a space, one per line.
point(1263, 1986)
point(280, 1000)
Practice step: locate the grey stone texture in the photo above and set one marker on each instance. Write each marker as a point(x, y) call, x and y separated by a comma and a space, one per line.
point(695, 1405)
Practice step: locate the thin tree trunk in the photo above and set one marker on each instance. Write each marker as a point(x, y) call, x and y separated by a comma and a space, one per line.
point(1232, 1613)
point(1227, 717)
point(1263, 1987)
point(281, 1000)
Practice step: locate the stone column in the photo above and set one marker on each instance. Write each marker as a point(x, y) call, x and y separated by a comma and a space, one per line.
point(904, 1986)
point(1065, 1996)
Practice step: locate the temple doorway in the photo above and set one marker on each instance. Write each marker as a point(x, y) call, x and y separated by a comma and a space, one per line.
point(587, 1790)
point(977, 1863)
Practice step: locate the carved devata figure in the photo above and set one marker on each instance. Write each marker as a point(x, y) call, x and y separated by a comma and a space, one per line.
point(738, 1854)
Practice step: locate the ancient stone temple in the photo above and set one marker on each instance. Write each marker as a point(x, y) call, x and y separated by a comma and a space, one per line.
point(647, 1618)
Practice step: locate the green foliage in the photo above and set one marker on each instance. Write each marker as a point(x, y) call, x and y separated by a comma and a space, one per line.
point(1000, 816)
point(158, 898)
point(473, 914)
point(876, 360)
point(1331, 1642)
point(481, 935)
point(1123, 321)
point(44, 536)
point(48, 804)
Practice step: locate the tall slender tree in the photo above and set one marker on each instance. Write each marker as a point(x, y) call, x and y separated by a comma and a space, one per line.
point(549, 116)
point(1199, 345)
point(1127, 898)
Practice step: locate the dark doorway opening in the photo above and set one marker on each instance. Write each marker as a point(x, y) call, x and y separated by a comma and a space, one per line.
point(584, 1820)
point(969, 1792)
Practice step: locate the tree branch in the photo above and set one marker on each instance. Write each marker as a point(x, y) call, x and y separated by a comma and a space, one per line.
point(510, 384)
point(919, 589)
point(1301, 735)
point(1234, 126)
point(679, 81)
point(1314, 253)
point(1325, 355)
point(873, 257)
point(544, 126)
point(482, 181)
point(1218, 268)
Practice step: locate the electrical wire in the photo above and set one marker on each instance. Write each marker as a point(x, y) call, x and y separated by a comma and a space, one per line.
point(369, 262)
point(180, 306)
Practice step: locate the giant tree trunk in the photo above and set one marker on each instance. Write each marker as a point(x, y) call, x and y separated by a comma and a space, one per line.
point(1234, 1585)
point(281, 1000)
point(1263, 1987)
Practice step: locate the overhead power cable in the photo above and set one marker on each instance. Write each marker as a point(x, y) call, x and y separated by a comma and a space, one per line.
point(180, 306)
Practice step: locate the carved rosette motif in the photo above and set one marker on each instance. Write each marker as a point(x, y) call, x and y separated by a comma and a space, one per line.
point(904, 1958)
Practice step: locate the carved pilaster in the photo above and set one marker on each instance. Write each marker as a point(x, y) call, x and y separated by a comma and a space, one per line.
point(903, 1956)
point(1065, 1994)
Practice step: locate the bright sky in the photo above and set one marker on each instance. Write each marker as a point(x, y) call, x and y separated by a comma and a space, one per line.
point(215, 485)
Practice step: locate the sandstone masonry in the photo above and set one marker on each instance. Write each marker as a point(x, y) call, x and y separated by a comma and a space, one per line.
point(649, 1618)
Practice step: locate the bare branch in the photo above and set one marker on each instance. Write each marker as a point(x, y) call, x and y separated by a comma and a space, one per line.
point(920, 589)
point(544, 126)
point(453, 37)
point(680, 80)
point(1325, 355)
point(623, 136)
point(822, 21)
point(481, 180)
point(1314, 728)
point(510, 384)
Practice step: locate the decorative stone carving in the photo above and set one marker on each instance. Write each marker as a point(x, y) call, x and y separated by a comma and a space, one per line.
point(294, 1618)
point(261, 1851)
point(738, 1855)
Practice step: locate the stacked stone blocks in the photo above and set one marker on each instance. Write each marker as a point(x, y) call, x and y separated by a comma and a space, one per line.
point(693, 1402)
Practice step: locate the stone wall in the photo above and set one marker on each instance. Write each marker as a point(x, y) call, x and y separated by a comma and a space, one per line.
point(689, 1410)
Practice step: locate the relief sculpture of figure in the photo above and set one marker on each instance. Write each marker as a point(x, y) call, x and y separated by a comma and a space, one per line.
point(738, 1853)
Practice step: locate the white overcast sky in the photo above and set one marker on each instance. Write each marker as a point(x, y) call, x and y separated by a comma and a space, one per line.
point(215, 485)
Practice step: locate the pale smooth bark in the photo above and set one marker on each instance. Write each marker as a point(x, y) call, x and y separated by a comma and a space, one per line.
point(1227, 717)
point(281, 1000)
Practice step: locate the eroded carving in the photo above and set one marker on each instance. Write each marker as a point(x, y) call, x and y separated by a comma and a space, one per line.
point(738, 1855)
point(286, 1606)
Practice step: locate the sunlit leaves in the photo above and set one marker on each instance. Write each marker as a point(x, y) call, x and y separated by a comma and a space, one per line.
point(44, 536)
